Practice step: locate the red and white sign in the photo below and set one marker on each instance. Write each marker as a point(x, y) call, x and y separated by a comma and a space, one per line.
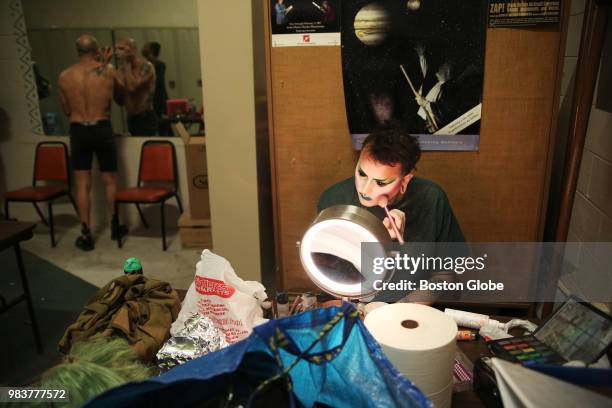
point(311, 39)
point(207, 286)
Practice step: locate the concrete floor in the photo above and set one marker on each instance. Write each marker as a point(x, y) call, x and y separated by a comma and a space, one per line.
point(105, 262)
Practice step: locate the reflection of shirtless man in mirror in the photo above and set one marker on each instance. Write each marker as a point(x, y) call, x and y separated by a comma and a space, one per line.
point(138, 75)
point(86, 91)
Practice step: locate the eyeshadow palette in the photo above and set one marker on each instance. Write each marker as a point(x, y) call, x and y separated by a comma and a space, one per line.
point(525, 349)
point(575, 331)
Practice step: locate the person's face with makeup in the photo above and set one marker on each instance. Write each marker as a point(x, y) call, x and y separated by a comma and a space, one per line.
point(374, 180)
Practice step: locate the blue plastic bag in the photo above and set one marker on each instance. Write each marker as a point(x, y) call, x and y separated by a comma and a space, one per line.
point(326, 355)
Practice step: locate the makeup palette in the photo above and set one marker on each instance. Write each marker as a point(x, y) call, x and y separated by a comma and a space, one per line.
point(575, 331)
point(525, 349)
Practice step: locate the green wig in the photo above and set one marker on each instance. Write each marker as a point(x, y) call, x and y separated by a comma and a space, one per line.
point(92, 367)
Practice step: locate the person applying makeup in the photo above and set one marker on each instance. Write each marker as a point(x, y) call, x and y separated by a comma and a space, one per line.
point(384, 178)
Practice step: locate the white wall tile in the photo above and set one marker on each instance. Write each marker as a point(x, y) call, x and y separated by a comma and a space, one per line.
point(571, 255)
point(605, 230)
point(569, 70)
point(599, 134)
point(584, 224)
point(574, 31)
point(586, 168)
point(564, 104)
point(597, 83)
point(577, 7)
point(592, 278)
point(600, 187)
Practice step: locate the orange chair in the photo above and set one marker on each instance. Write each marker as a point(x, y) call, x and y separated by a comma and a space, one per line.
point(50, 164)
point(157, 165)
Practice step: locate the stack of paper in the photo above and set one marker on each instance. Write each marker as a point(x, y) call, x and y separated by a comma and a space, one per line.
point(522, 387)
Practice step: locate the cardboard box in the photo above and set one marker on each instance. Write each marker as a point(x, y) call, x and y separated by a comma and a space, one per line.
point(197, 174)
point(195, 233)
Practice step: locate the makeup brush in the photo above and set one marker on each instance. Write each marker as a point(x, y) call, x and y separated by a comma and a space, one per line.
point(382, 202)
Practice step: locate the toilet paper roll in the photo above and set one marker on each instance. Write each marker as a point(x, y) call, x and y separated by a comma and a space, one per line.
point(420, 341)
point(444, 398)
point(371, 306)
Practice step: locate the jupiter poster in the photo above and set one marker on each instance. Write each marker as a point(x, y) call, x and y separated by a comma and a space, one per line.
point(417, 62)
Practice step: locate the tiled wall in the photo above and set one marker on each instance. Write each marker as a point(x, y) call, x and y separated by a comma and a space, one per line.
point(592, 212)
point(591, 219)
point(20, 126)
point(19, 89)
point(572, 47)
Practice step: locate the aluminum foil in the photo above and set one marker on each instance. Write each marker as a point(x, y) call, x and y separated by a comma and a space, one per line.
point(197, 337)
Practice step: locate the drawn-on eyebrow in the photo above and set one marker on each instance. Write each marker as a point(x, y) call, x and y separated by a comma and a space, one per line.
point(363, 173)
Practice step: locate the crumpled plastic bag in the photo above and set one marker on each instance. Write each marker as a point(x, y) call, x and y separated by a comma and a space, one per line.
point(217, 292)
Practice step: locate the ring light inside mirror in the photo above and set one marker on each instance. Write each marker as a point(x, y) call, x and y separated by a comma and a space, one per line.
point(331, 250)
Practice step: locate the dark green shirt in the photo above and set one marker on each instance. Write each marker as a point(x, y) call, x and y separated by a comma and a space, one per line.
point(429, 217)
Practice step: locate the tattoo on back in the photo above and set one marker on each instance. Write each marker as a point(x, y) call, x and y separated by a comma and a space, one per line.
point(101, 70)
point(145, 69)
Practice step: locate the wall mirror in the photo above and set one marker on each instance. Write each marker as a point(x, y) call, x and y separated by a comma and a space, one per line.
point(53, 28)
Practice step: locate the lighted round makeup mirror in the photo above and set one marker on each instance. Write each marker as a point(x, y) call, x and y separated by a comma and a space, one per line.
point(331, 251)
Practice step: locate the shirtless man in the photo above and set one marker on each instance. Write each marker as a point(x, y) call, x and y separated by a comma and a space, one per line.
point(138, 75)
point(86, 90)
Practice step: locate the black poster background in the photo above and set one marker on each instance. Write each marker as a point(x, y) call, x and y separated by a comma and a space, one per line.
point(451, 32)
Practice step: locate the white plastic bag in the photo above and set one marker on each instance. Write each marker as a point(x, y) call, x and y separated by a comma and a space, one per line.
point(218, 293)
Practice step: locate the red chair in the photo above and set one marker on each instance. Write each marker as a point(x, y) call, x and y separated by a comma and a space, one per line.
point(50, 164)
point(157, 166)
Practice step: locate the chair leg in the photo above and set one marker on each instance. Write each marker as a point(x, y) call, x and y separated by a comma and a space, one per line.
point(50, 205)
point(73, 204)
point(142, 217)
point(119, 243)
point(6, 210)
point(28, 297)
point(163, 226)
point(40, 214)
point(180, 205)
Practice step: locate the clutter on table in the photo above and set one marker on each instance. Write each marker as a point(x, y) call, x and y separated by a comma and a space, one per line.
point(93, 366)
point(133, 306)
point(198, 336)
point(315, 358)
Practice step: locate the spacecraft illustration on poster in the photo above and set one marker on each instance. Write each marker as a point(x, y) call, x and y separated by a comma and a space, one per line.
point(417, 62)
point(305, 22)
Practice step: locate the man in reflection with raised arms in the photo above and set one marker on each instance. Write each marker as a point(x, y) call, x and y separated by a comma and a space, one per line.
point(86, 90)
point(138, 75)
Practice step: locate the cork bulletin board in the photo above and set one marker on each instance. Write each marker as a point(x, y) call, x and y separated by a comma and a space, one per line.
point(498, 193)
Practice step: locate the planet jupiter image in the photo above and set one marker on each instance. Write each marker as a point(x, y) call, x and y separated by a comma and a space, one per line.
point(372, 24)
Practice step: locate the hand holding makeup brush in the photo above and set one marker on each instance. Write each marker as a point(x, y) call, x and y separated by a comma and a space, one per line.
point(395, 220)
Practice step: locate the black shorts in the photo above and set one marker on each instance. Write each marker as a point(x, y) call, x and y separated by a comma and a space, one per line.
point(89, 138)
point(143, 124)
